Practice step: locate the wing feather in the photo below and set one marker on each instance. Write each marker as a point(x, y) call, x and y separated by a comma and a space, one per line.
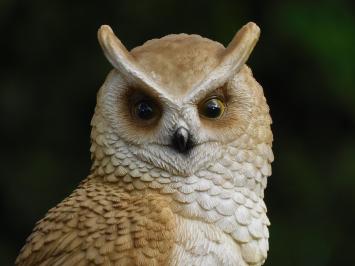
point(102, 225)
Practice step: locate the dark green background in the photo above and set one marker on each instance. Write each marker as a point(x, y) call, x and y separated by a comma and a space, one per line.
point(52, 67)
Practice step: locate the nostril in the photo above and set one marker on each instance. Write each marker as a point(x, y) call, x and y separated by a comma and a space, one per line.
point(181, 140)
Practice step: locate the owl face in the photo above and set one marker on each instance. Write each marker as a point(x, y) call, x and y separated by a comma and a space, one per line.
point(179, 102)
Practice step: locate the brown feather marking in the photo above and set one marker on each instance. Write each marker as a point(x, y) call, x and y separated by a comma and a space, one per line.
point(100, 224)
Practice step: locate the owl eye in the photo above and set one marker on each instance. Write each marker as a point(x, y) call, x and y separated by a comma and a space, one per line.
point(145, 110)
point(212, 108)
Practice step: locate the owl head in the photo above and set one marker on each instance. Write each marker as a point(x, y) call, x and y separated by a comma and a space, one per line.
point(178, 103)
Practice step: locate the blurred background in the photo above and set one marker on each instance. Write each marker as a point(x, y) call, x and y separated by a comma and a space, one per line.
point(51, 67)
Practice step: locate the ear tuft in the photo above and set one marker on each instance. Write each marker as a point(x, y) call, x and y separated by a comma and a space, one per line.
point(115, 52)
point(231, 61)
point(241, 46)
point(122, 60)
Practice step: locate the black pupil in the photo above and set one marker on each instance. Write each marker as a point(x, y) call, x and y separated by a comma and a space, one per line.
point(144, 110)
point(212, 108)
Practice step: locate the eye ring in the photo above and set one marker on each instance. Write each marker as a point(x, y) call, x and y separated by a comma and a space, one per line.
point(145, 110)
point(212, 108)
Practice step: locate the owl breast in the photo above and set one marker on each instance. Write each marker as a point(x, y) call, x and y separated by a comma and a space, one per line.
point(219, 226)
point(219, 210)
point(199, 243)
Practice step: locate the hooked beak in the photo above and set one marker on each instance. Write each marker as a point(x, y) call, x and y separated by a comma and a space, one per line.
point(181, 140)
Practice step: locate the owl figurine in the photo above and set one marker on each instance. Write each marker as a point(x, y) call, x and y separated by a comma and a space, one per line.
point(181, 152)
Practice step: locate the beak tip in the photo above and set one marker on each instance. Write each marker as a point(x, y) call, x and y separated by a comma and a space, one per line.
point(181, 140)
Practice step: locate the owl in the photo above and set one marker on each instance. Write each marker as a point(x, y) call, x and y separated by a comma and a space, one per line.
point(181, 152)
